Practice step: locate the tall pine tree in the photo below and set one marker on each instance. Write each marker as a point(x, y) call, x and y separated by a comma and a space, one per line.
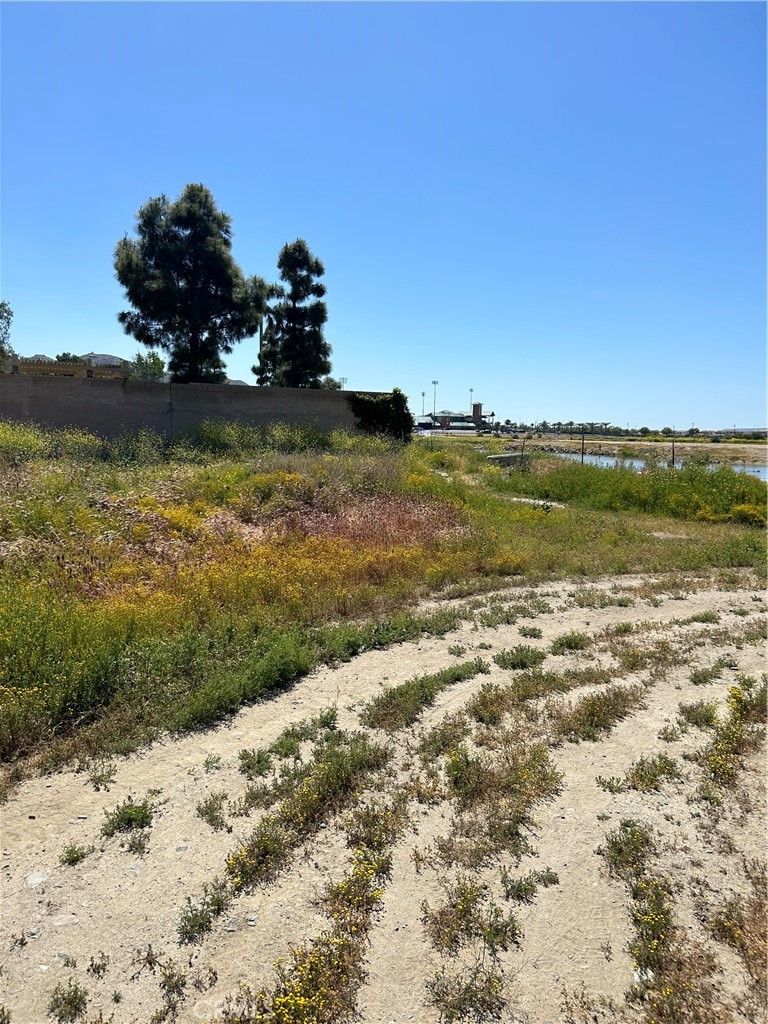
point(190, 297)
point(294, 352)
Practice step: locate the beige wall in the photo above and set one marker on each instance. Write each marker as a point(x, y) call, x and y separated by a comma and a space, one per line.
point(108, 406)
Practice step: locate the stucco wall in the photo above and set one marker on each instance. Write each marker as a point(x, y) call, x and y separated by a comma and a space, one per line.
point(108, 406)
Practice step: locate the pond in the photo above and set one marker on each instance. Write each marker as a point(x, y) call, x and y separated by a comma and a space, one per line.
point(637, 464)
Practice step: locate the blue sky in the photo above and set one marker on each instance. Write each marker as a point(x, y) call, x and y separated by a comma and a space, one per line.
point(559, 205)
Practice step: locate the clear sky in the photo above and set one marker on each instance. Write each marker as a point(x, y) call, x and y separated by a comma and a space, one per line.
point(559, 205)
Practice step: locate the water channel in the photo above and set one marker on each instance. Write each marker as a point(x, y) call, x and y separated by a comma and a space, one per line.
point(609, 461)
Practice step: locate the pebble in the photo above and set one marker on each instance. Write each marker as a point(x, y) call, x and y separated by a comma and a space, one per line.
point(64, 919)
point(182, 848)
point(35, 878)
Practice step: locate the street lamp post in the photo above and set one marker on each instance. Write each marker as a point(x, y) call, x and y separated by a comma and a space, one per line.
point(434, 399)
point(471, 392)
point(423, 393)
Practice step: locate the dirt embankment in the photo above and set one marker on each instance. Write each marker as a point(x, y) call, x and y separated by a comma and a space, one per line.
point(90, 924)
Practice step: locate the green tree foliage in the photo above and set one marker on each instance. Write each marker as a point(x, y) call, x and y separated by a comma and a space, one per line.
point(383, 414)
point(6, 316)
point(190, 297)
point(294, 352)
point(147, 367)
point(68, 357)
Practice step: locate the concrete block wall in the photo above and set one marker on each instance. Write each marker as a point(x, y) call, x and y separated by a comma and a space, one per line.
point(108, 406)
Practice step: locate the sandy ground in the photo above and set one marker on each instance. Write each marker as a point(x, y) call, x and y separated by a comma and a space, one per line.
point(57, 920)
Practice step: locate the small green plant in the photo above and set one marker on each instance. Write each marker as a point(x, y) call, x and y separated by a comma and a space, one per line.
point(628, 849)
point(254, 763)
point(468, 913)
point(402, 705)
point(621, 629)
point(598, 713)
point(444, 736)
point(612, 784)
point(68, 1003)
point(98, 965)
point(211, 810)
point(489, 704)
point(102, 775)
point(708, 674)
point(570, 642)
point(530, 632)
point(212, 762)
point(740, 730)
point(524, 889)
point(128, 817)
point(73, 854)
point(197, 918)
point(669, 734)
point(648, 773)
point(5, 1015)
point(474, 992)
point(457, 650)
point(741, 924)
point(707, 617)
point(137, 842)
point(520, 657)
point(701, 714)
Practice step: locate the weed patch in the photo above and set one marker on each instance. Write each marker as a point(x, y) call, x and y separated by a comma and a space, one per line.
point(402, 705)
point(128, 817)
point(520, 657)
point(597, 714)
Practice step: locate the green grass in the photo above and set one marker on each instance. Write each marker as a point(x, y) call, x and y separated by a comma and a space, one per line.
point(694, 493)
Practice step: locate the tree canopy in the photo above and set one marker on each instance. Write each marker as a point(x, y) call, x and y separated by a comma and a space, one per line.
point(190, 298)
point(147, 367)
point(6, 316)
point(294, 352)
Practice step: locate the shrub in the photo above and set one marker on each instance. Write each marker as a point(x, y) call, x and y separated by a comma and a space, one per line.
point(520, 657)
point(402, 705)
point(383, 414)
point(570, 642)
point(68, 1003)
point(128, 816)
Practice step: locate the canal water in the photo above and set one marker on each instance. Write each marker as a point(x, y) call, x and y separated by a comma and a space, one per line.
point(637, 464)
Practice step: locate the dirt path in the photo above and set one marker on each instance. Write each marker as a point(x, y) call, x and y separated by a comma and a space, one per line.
point(61, 922)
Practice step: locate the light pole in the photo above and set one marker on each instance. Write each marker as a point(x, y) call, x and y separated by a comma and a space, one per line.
point(343, 382)
point(434, 399)
point(423, 393)
point(471, 392)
